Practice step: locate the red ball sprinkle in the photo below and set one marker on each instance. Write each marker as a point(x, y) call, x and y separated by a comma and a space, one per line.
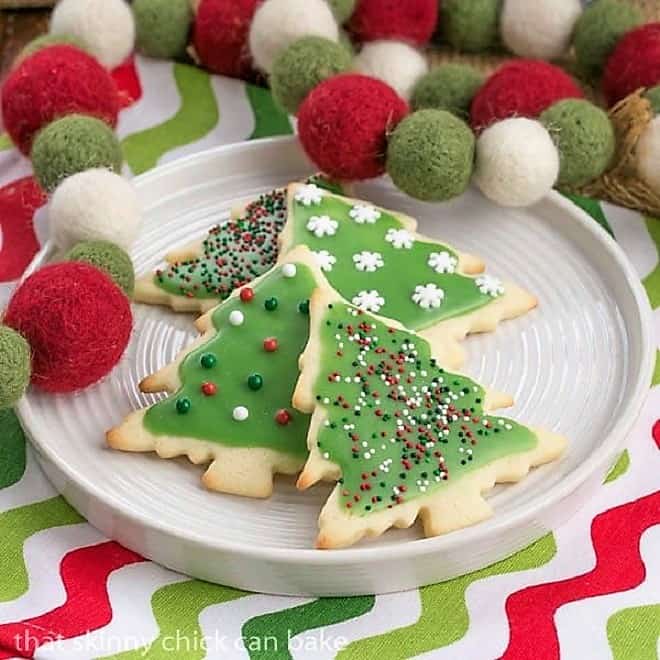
point(521, 88)
point(247, 294)
point(55, 81)
point(220, 36)
point(77, 322)
point(413, 21)
point(283, 417)
point(344, 122)
point(634, 63)
point(209, 389)
point(270, 344)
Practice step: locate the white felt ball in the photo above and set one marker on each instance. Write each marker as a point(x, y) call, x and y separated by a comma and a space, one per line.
point(94, 205)
point(540, 28)
point(393, 62)
point(278, 23)
point(517, 162)
point(105, 27)
point(648, 154)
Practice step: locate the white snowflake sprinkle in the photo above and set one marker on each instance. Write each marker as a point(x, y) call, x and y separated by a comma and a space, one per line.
point(490, 286)
point(369, 301)
point(400, 238)
point(309, 195)
point(368, 262)
point(325, 260)
point(322, 225)
point(428, 296)
point(442, 262)
point(364, 213)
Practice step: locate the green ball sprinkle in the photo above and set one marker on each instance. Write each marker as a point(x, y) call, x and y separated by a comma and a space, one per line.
point(183, 406)
point(270, 304)
point(46, 40)
point(73, 144)
point(255, 382)
point(303, 306)
point(599, 29)
point(450, 87)
point(162, 27)
point(653, 95)
point(302, 66)
point(430, 155)
point(342, 9)
point(471, 27)
point(107, 257)
point(585, 139)
point(15, 366)
point(208, 360)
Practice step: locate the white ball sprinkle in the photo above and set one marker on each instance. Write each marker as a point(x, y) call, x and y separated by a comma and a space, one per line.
point(236, 317)
point(240, 413)
point(289, 270)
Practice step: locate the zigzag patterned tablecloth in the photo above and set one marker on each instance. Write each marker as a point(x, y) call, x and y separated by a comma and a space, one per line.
point(591, 589)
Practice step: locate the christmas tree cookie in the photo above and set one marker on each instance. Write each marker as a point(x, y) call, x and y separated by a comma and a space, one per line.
point(230, 392)
point(375, 259)
point(402, 436)
point(199, 275)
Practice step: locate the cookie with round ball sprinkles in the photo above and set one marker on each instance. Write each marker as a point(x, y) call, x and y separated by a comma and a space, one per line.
point(230, 392)
point(401, 435)
point(375, 259)
point(199, 275)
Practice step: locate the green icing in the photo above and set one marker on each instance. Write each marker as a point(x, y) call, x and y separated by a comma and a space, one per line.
point(240, 353)
point(401, 264)
point(397, 424)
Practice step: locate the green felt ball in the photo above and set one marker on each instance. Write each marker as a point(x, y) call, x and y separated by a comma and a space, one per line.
point(585, 139)
point(430, 155)
point(107, 257)
point(342, 9)
point(162, 27)
point(15, 366)
point(450, 87)
point(302, 66)
point(46, 40)
point(653, 95)
point(598, 31)
point(472, 27)
point(73, 144)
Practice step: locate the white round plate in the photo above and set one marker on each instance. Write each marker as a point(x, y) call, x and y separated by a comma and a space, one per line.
point(580, 365)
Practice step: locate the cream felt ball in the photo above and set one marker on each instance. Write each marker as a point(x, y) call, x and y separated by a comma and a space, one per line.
point(399, 65)
point(517, 163)
point(94, 205)
point(648, 155)
point(541, 29)
point(278, 23)
point(105, 27)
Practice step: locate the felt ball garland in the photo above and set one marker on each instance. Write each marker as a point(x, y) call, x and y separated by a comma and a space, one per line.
point(15, 366)
point(162, 27)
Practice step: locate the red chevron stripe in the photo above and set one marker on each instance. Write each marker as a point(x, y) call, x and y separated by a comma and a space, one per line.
point(656, 433)
point(615, 535)
point(87, 607)
point(128, 83)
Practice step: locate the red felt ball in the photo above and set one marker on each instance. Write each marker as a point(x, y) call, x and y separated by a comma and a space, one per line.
point(413, 21)
point(521, 88)
point(344, 122)
point(634, 63)
point(77, 322)
point(55, 81)
point(220, 36)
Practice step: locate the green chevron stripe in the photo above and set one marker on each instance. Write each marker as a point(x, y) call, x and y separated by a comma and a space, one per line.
point(12, 449)
point(269, 120)
point(267, 635)
point(593, 208)
point(652, 282)
point(16, 526)
point(634, 633)
point(445, 618)
point(176, 609)
point(196, 117)
point(619, 468)
point(656, 372)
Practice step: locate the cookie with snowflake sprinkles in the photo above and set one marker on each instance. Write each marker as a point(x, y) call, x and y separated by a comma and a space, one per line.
point(230, 393)
point(199, 275)
point(402, 436)
point(376, 260)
